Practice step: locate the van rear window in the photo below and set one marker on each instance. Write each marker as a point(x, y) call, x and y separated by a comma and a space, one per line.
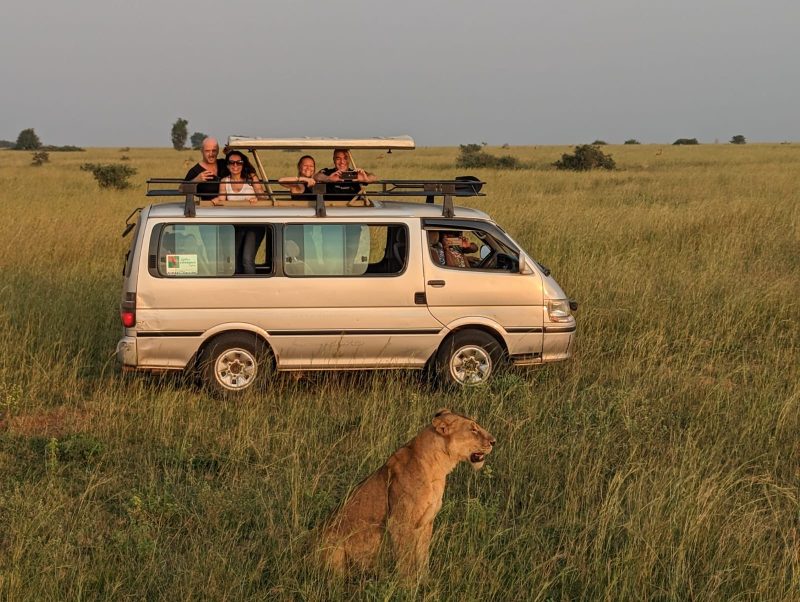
point(344, 249)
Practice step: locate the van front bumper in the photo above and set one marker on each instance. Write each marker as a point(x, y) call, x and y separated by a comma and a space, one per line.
point(126, 351)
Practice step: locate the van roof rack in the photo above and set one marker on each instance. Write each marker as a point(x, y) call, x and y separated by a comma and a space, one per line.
point(392, 189)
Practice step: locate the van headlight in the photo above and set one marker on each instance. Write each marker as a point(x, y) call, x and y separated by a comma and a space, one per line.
point(558, 310)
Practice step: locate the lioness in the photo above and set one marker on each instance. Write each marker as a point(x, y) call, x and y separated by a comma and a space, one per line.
point(402, 497)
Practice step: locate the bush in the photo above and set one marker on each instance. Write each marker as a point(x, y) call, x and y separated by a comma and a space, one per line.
point(586, 157)
point(473, 155)
point(6, 144)
point(28, 140)
point(632, 141)
point(599, 143)
point(40, 158)
point(738, 139)
point(68, 148)
point(680, 141)
point(110, 175)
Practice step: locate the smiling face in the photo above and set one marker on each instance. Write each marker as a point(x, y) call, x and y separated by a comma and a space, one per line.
point(306, 167)
point(210, 150)
point(235, 164)
point(341, 159)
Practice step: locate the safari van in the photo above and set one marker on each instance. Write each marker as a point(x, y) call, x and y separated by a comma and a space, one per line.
point(396, 277)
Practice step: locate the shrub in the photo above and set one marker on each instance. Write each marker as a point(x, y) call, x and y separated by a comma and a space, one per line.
point(28, 140)
point(738, 139)
point(6, 144)
point(632, 141)
point(40, 158)
point(67, 148)
point(599, 143)
point(110, 175)
point(473, 155)
point(586, 157)
point(680, 141)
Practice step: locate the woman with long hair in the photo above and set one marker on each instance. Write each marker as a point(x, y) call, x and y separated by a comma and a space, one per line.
point(242, 185)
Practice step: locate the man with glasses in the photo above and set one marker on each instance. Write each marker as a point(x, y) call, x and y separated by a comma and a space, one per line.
point(208, 172)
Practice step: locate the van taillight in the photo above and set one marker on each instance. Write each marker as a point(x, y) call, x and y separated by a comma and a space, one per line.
point(127, 311)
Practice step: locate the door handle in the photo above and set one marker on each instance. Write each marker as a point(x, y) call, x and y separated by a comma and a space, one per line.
point(436, 283)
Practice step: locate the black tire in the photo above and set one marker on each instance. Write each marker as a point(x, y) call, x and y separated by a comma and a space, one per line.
point(468, 358)
point(235, 362)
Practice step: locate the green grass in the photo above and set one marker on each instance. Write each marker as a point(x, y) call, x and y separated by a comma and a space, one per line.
point(662, 462)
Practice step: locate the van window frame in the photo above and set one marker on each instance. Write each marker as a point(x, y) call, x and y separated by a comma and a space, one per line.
point(367, 223)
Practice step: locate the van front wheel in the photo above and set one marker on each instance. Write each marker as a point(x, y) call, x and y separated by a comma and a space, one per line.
point(235, 362)
point(468, 358)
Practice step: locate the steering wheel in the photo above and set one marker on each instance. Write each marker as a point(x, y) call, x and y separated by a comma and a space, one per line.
point(489, 262)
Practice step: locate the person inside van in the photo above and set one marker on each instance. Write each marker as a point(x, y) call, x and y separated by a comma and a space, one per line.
point(242, 185)
point(302, 186)
point(448, 248)
point(208, 172)
point(343, 183)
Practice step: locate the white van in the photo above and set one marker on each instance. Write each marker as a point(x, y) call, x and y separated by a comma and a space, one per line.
point(361, 284)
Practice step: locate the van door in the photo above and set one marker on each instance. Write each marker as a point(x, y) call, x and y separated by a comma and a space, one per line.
point(472, 276)
point(353, 297)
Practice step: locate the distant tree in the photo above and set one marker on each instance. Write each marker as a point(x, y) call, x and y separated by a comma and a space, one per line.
point(586, 157)
point(6, 144)
point(28, 140)
point(632, 141)
point(599, 143)
point(197, 140)
point(738, 139)
point(681, 141)
point(110, 175)
point(40, 158)
point(180, 132)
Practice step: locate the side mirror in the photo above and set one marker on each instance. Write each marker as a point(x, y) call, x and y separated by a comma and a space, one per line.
point(485, 250)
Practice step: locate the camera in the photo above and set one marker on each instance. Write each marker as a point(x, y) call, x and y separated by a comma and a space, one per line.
point(349, 175)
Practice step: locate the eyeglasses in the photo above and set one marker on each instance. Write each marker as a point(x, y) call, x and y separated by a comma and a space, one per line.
point(235, 162)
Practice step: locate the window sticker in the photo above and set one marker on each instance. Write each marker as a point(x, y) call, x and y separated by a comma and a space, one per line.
point(182, 265)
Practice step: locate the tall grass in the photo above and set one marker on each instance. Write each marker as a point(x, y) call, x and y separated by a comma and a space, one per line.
point(662, 462)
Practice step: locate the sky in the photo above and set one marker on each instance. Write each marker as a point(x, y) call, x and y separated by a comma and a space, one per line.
point(119, 73)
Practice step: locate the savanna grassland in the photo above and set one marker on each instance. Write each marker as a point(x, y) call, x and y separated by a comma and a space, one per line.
point(662, 462)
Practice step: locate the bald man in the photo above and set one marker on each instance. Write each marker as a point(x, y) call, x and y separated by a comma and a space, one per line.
point(209, 171)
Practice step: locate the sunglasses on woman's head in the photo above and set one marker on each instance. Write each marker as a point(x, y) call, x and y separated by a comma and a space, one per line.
point(235, 162)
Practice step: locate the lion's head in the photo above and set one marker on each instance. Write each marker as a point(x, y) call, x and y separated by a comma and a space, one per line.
point(464, 438)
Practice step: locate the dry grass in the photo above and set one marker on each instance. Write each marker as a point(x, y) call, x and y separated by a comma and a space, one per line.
point(662, 462)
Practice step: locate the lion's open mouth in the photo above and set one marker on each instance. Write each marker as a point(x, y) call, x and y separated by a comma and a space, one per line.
point(477, 457)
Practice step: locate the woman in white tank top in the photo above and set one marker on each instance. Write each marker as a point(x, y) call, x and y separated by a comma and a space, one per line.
point(240, 185)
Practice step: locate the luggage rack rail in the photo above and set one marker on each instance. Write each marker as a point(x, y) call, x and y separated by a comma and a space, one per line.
point(429, 189)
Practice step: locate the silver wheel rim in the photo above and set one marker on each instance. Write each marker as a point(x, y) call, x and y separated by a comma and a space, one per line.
point(235, 369)
point(470, 365)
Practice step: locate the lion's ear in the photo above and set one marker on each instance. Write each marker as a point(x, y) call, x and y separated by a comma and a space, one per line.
point(441, 411)
point(440, 424)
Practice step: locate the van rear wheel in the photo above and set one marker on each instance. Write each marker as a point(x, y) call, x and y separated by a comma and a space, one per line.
point(235, 362)
point(468, 358)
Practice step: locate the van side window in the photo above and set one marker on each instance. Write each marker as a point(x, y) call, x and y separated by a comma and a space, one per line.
point(192, 250)
point(470, 249)
point(344, 249)
point(215, 250)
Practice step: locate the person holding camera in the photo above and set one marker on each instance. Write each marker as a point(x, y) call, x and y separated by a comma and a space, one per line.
point(342, 182)
point(207, 173)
